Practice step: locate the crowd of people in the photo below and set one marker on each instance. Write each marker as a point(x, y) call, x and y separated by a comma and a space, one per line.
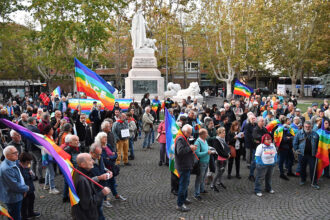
point(102, 142)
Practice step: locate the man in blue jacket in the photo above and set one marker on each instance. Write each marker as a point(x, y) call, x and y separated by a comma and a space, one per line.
point(12, 183)
point(305, 143)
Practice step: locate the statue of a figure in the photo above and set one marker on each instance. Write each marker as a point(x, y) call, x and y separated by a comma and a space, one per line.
point(138, 33)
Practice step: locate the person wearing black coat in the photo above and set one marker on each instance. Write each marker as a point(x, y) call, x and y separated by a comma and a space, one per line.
point(95, 117)
point(90, 197)
point(257, 134)
point(235, 141)
point(145, 101)
point(27, 210)
point(84, 132)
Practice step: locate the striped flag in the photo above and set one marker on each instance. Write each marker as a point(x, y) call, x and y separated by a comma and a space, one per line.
point(56, 91)
point(242, 89)
point(93, 85)
point(322, 150)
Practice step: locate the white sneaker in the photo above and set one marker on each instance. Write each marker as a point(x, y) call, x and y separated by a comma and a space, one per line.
point(54, 191)
point(107, 204)
point(259, 194)
point(120, 197)
point(46, 187)
point(271, 191)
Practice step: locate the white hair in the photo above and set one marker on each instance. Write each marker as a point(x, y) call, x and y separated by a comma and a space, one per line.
point(12, 132)
point(67, 138)
point(226, 105)
point(260, 118)
point(147, 107)
point(99, 136)
point(186, 128)
point(7, 149)
point(104, 124)
point(249, 113)
point(94, 146)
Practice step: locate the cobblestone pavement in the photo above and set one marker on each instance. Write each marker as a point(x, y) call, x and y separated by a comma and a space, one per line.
point(147, 188)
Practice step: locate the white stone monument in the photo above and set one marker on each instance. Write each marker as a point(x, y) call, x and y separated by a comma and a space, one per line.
point(193, 91)
point(144, 76)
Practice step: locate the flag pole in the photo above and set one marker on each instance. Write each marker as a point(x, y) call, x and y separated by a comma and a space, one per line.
point(90, 179)
point(315, 166)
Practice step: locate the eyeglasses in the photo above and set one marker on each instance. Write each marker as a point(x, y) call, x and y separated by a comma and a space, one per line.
point(16, 152)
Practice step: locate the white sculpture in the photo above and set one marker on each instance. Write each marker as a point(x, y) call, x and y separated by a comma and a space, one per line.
point(139, 34)
point(172, 89)
point(192, 91)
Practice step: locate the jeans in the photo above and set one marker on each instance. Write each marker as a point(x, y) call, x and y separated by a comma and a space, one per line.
point(147, 139)
point(310, 161)
point(113, 186)
point(183, 187)
point(298, 169)
point(65, 190)
point(122, 149)
point(163, 156)
point(264, 172)
point(37, 163)
point(152, 135)
point(221, 166)
point(100, 211)
point(200, 179)
point(131, 147)
point(237, 162)
point(285, 156)
point(50, 175)
point(253, 162)
point(28, 205)
point(140, 127)
point(14, 210)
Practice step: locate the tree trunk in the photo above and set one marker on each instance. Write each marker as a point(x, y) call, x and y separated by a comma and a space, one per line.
point(293, 86)
point(228, 88)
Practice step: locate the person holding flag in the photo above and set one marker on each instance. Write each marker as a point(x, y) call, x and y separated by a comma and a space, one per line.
point(306, 143)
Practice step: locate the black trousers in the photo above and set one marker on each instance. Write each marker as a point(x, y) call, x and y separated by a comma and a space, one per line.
point(28, 205)
point(237, 162)
point(174, 183)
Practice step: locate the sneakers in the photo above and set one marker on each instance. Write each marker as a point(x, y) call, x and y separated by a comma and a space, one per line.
point(46, 187)
point(174, 192)
point(187, 202)
point(34, 215)
point(183, 208)
point(282, 176)
point(130, 157)
point(54, 191)
point(120, 197)
point(271, 191)
point(198, 198)
point(251, 178)
point(315, 186)
point(107, 204)
point(214, 188)
point(259, 194)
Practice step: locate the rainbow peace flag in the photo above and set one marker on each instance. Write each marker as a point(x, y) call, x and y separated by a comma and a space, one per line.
point(171, 131)
point(62, 158)
point(56, 91)
point(4, 212)
point(322, 150)
point(278, 134)
point(124, 104)
point(86, 106)
point(271, 125)
point(155, 104)
point(93, 85)
point(242, 89)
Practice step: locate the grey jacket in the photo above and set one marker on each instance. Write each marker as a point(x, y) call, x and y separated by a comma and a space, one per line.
point(147, 122)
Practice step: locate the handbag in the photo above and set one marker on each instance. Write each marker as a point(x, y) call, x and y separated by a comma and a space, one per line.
point(232, 151)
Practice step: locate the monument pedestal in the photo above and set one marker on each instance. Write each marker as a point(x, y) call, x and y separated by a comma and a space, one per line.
point(144, 77)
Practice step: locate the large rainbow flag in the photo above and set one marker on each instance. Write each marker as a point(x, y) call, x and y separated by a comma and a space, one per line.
point(271, 125)
point(171, 130)
point(56, 91)
point(242, 89)
point(62, 158)
point(322, 150)
point(4, 212)
point(278, 134)
point(93, 85)
point(155, 104)
point(86, 105)
point(124, 104)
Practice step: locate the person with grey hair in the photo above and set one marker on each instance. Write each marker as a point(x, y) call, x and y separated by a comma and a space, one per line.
point(90, 197)
point(305, 143)
point(147, 124)
point(184, 160)
point(12, 183)
point(23, 120)
point(258, 131)
point(16, 141)
point(120, 131)
point(84, 132)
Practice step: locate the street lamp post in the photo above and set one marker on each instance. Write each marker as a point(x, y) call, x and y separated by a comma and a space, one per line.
point(166, 50)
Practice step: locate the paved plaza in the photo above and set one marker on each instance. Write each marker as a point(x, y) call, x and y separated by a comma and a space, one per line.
point(147, 188)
